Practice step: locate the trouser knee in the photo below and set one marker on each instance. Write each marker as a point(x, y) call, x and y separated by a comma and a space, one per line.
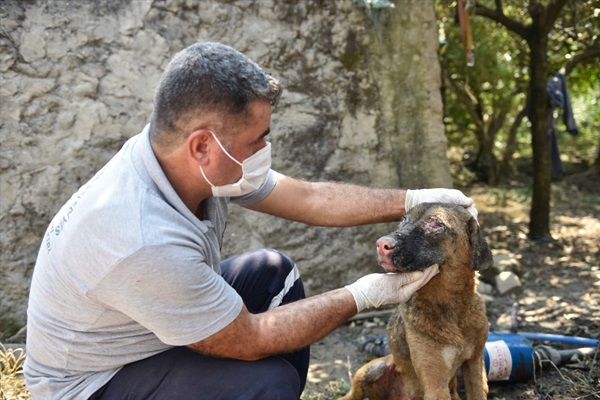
point(281, 380)
point(265, 279)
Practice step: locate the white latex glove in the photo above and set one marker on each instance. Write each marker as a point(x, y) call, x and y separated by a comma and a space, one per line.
point(414, 197)
point(375, 290)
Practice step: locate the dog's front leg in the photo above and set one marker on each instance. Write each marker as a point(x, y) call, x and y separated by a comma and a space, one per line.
point(434, 376)
point(454, 389)
point(475, 379)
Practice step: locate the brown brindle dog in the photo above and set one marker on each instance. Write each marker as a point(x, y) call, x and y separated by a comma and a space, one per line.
point(443, 327)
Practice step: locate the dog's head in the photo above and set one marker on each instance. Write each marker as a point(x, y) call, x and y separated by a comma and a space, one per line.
point(434, 233)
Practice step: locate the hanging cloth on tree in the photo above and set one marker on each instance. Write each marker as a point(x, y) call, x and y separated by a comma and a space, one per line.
point(465, 28)
point(556, 88)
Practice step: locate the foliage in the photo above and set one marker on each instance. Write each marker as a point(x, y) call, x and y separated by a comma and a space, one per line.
point(483, 102)
point(558, 35)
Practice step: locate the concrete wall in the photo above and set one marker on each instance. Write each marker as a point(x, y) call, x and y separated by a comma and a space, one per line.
point(361, 104)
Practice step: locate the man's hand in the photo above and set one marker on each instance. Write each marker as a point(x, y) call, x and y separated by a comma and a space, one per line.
point(375, 290)
point(414, 197)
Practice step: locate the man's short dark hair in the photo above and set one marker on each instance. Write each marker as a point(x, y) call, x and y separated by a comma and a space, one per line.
point(207, 77)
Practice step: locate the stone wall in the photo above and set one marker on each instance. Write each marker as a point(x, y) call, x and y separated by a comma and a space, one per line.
point(361, 104)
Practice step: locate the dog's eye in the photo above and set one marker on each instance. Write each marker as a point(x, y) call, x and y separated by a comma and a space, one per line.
point(434, 225)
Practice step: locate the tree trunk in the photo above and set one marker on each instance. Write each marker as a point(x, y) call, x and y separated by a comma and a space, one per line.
point(504, 169)
point(486, 160)
point(406, 64)
point(536, 35)
point(539, 224)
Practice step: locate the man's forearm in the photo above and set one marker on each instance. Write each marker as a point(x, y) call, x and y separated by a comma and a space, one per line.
point(282, 329)
point(332, 203)
point(299, 324)
point(303, 322)
point(351, 205)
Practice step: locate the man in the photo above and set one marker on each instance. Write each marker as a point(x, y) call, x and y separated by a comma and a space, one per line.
point(129, 297)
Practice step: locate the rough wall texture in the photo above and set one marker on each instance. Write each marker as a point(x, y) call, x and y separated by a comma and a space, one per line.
point(362, 105)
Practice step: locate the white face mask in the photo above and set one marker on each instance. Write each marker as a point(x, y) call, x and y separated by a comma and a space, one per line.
point(254, 172)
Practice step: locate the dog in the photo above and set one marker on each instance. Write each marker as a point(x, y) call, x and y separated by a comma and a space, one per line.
point(443, 327)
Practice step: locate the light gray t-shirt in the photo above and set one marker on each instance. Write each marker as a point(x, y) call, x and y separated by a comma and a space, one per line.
point(125, 271)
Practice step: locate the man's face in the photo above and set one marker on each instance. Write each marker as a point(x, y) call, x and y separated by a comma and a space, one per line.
point(250, 138)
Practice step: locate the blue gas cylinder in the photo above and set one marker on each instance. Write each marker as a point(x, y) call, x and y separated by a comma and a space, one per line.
point(508, 357)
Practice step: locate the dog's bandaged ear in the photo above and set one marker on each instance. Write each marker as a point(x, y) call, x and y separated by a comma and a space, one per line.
point(482, 256)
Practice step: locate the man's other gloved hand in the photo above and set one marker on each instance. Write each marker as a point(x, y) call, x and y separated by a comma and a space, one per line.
point(414, 197)
point(375, 290)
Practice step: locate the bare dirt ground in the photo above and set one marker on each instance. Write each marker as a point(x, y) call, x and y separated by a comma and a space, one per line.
point(561, 295)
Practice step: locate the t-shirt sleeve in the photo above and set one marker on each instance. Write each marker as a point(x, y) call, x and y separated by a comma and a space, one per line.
point(170, 291)
point(260, 193)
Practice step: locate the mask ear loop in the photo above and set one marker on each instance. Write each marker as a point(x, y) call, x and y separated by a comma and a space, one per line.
point(226, 153)
point(223, 148)
point(205, 178)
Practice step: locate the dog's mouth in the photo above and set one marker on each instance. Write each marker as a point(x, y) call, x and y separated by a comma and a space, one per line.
point(389, 267)
point(386, 247)
point(406, 260)
point(387, 264)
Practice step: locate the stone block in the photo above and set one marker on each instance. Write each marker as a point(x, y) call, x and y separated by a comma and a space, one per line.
point(508, 282)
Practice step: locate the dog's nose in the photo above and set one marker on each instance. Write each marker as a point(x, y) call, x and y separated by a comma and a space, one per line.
point(386, 244)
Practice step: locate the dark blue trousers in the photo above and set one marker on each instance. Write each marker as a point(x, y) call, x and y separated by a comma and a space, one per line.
point(264, 279)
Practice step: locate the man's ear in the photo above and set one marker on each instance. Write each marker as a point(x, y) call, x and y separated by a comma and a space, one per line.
point(197, 145)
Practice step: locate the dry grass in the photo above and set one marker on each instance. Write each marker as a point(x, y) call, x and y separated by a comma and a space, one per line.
point(12, 383)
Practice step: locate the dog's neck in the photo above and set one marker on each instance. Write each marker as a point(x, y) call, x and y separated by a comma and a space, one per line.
point(442, 288)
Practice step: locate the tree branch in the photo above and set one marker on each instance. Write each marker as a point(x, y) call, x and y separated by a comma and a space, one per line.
point(498, 119)
point(553, 11)
point(469, 101)
point(587, 54)
point(511, 143)
point(499, 16)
